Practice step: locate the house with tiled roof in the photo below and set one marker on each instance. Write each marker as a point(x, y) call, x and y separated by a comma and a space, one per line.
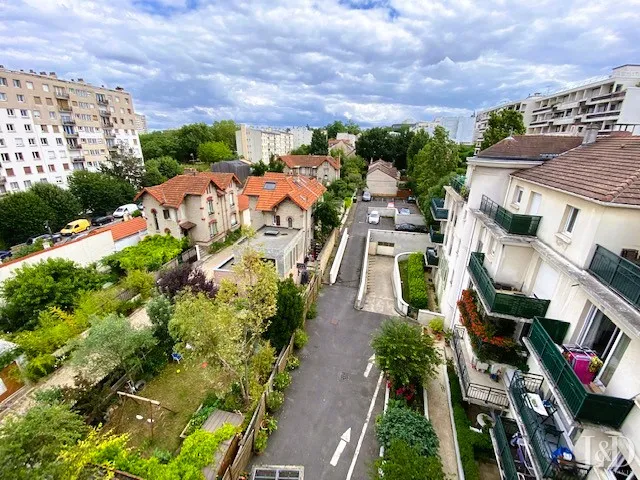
point(200, 205)
point(538, 275)
point(347, 148)
point(125, 233)
point(323, 168)
point(281, 213)
point(382, 179)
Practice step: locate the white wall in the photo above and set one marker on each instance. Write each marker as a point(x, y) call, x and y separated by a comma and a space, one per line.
point(379, 183)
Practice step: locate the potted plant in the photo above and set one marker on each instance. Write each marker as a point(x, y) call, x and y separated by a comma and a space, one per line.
point(437, 327)
point(260, 442)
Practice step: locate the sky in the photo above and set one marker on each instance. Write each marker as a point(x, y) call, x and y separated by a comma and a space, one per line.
point(304, 62)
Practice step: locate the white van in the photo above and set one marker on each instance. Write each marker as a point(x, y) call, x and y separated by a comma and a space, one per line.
point(129, 208)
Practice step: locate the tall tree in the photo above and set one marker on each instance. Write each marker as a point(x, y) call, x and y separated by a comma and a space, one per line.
point(465, 151)
point(225, 131)
point(124, 166)
point(438, 157)
point(23, 214)
point(159, 170)
point(326, 215)
point(352, 127)
point(190, 137)
point(99, 192)
point(259, 169)
point(399, 146)
point(502, 124)
point(160, 143)
point(301, 150)
point(375, 144)
point(334, 128)
point(211, 152)
point(64, 205)
point(319, 143)
point(289, 312)
point(419, 140)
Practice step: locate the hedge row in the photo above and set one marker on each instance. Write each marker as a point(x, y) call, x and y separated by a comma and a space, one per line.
point(417, 285)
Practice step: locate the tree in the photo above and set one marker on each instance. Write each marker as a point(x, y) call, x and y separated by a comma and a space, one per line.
point(403, 462)
point(334, 128)
point(54, 282)
point(399, 145)
point(418, 142)
point(190, 137)
point(159, 144)
point(225, 131)
point(340, 189)
point(159, 170)
point(124, 166)
point(98, 192)
point(259, 169)
point(502, 124)
point(403, 423)
point(404, 353)
point(160, 311)
point(326, 214)
point(112, 343)
point(64, 205)
point(438, 157)
point(30, 444)
point(289, 312)
point(22, 215)
point(152, 176)
point(301, 150)
point(352, 127)
point(319, 143)
point(211, 152)
point(374, 144)
point(276, 165)
point(227, 330)
point(184, 277)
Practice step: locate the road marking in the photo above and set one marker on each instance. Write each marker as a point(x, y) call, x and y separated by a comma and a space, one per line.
point(344, 439)
point(372, 359)
point(364, 428)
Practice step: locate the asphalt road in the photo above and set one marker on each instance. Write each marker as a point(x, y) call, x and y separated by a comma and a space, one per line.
point(330, 393)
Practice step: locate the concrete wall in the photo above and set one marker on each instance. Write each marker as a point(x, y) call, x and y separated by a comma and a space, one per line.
point(129, 241)
point(402, 241)
point(379, 183)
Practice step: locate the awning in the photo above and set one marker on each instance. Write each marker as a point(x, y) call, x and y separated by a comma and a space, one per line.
point(187, 225)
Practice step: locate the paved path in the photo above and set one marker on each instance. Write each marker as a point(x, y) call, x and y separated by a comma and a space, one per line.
point(330, 392)
point(379, 297)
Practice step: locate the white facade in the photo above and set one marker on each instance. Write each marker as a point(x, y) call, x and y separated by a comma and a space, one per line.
point(301, 136)
point(552, 265)
point(141, 123)
point(255, 144)
point(347, 136)
point(610, 103)
point(50, 127)
point(460, 129)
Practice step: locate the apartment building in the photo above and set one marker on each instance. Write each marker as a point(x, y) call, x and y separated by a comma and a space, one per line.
point(610, 103)
point(200, 205)
point(255, 145)
point(539, 279)
point(141, 123)
point(323, 168)
point(50, 127)
point(460, 129)
point(301, 136)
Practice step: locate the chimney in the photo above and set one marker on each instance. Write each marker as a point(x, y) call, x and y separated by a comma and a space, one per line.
point(81, 80)
point(590, 135)
point(43, 73)
point(53, 74)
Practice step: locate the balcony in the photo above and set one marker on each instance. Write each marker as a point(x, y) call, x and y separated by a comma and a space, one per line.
point(540, 439)
point(3, 180)
point(583, 404)
point(432, 257)
point(109, 134)
point(608, 96)
point(68, 121)
point(62, 95)
point(511, 222)
point(500, 301)
point(77, 159)
point(608, 113)
point(64, 109)
point(437, 209)
point(505, 453)
point(617, 273)
point(436, 237)
point(102, 101)
point(74, 146)
point(458, 184)
point(105, 113)
point(71, 134)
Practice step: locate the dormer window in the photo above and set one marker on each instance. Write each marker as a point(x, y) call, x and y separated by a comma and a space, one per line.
point(269, 185)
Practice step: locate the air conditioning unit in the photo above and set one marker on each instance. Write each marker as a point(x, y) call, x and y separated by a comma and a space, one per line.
point(272, 233)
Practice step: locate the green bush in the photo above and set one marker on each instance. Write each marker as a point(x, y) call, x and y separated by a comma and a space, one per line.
point(40, 366)
point(408, 425)
point(300, 339)
point(313, 311)
point(281, 381)
point(230, 239)
point(418, 297)
point(148, 255)
point(262, 362)
point(260, 442)
point(403, 462)
point(142, 283)
point(437, 325)
point(293, 362)
point(275, 400)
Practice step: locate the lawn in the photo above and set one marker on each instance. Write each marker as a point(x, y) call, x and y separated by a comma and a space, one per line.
point(180, 387)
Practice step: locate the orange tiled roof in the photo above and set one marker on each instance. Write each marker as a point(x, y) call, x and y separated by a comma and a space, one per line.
point(122, 230)
point(172, 192)
point(303, 191)
point(293, 161)
point(243, 203)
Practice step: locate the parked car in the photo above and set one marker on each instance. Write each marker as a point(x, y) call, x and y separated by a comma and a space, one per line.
point(129, 208)
point(76, 226)
point(411, 199)
point(99, 221)
point(410, 227)
point(47, 237)
point(5, 254)
point(374, 217)
point(404, 211)
point(366, 197)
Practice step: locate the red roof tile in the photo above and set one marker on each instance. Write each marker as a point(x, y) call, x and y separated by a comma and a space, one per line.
point(293, 161)
point(385, 167)
point(607, 170)
point(122, 230)
point(172, 192)
point(243, 203)
point(303, 191)
point(531, 147)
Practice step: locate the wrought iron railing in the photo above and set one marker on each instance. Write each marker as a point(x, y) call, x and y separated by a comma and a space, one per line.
point(432, 257)
point(458, 184)
point(510, 222)
point(437, 209)
point(617, 273)
point(436, 237)
point(504, 451)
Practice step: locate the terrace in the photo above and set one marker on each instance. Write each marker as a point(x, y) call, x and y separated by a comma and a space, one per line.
point(511, 222)
point(617, 273)
point(437, 209)
point(436, 237)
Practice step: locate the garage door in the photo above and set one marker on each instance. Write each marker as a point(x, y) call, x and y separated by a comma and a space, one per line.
point(546, 282)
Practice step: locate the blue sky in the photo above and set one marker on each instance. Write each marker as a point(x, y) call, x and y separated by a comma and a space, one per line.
point(286, 62)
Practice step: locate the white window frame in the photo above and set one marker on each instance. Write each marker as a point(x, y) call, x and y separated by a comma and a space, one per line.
point(570, 220)
point(517, 196)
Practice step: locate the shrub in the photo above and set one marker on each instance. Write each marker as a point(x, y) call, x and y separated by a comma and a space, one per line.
point(281, 381)
point(313, 311)
point(149, 255)
point(183, 277)
point(199, 417)
point(403, 462)
point(418, 297)
point(300, 339)
point(142, 283)
point(408, 425)
point(99, 302)
point(293, 362)
point(288, 317)
point(275, 400)
point(55, 328)
point(230, 239)
point(262, 362)
point(40, 366)
point(269, 424)
point(437, 325)
point(260, 442)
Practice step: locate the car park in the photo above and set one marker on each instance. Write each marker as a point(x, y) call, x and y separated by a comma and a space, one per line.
point(99, 221)
point(411, 199)
point(76, 226)
point(366, 197)
point(374, 217)
point(122, 210)
point(404, 211)
point(411, 227)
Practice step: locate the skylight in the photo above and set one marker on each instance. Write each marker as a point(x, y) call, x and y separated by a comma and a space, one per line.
point(269, 185)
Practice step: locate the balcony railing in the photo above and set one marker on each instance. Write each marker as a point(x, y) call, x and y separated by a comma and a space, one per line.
point(543, 438)
point(68, 121)
point(70, 134)
point(103, 101)
point(436, 237)
point(510, 222)
point(61, 95)
point(458, 185)
point(503, 451)
point(77, 159)
point(105, 113)
point(437, 209)
point(617, 273)
point(584, 405)
point(432, 257)
point(65, 109)
point(514, 304)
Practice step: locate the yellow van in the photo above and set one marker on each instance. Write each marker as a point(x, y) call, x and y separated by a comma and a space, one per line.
point(76, 226)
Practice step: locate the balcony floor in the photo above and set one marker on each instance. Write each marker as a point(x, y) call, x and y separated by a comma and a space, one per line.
point(499, 233)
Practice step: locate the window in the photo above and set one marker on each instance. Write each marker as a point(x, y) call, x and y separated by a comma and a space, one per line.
point(20, 98)
point(213, 229)
point(3, 82)
point(19, 142)
point(232, 200)
point(620, 469)
point(2, 144)
point(36, 113)
point(32, 141)
point(29, 85)
point(571, 215)
point(65, 166)
point(24, 113)
point(289, 222)
point(10, 172)
point(167, 214)
point(276, 220)
point(16, 83)
point(234, 219)
point(19, 156)
point(45, 87)
point(56, 129)
point(517, 195)
point(3, 97)
point(10, 112)
point(210, 206)
point(49, 101)
point(36, 155)
point(15, 186)
point(52, 168)
point(52, 114)
point(37, 100)
point(58, 141)
point(27, 128)
point(52, 155)
point(39, 169)
point(27, 170)
point(44, 128)
point(10, 127)
point(44, 141)
point(4, 157)
point(27, 184)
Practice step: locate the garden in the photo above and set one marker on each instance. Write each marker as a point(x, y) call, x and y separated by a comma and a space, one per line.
point(417, 291)
point(408, 359)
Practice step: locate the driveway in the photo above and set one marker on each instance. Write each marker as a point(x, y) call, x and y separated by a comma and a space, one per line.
point(330, 392)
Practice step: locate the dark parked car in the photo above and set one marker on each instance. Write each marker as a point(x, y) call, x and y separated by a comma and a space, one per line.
point(4, 254)
point(410, 227)
point(98, 221)
point(56, 237)
point(411, 199)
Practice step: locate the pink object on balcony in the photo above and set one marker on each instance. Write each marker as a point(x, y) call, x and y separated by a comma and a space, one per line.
point(580, 359)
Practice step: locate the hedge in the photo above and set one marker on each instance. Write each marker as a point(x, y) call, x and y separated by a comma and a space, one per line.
point(418, 297)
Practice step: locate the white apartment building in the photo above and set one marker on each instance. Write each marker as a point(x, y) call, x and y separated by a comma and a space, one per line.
point(50, 127)
point(254, 144)
point(539, 272)
point(460, 129)
point(141, 123)
point(301, 136)
point(609, 103)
